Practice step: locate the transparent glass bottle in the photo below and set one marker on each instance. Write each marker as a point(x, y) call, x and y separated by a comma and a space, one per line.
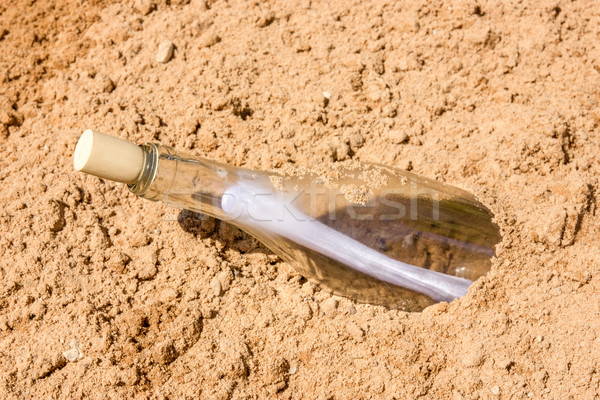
point(373, 234)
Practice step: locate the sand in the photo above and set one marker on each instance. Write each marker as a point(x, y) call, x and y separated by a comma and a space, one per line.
point(105, 295)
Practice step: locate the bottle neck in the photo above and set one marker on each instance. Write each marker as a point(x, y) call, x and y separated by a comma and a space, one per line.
point(184, 181)
point(160, 167)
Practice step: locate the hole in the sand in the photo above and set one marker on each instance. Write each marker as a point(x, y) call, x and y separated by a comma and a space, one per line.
point(241, 110)
point(556, 10)
point(244, 113)
point(197, 224)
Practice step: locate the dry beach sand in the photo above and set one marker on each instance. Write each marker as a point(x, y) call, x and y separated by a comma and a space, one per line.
point(104, 295)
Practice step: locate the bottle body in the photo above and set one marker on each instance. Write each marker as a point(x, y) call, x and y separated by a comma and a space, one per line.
point(373, 234)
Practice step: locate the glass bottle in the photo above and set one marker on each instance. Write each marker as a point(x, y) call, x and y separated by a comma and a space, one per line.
point(367, 232)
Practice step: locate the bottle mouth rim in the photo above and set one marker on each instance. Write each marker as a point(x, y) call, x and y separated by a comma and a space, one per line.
point(148, 173)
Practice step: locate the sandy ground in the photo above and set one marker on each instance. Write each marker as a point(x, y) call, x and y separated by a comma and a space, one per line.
point(105, 295)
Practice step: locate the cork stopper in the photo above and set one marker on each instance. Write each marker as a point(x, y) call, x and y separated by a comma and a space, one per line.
point(108, 157)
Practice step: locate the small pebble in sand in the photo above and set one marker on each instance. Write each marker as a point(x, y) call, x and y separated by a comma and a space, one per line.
point(326, 98)
point(397, 136)
point(356, 140)
point(168, 295)
point(145, 7)
point(164, 353)
point(199, 5)
point(265, 20)
point(355, 331)
point(107, 85)
point(165, 51)
point(304, 311)
point(74, 353)
point(496, 390)
point(329, 307)
point(216, 286)
point(208, 40)
point(341, 151)
point(147, 272)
